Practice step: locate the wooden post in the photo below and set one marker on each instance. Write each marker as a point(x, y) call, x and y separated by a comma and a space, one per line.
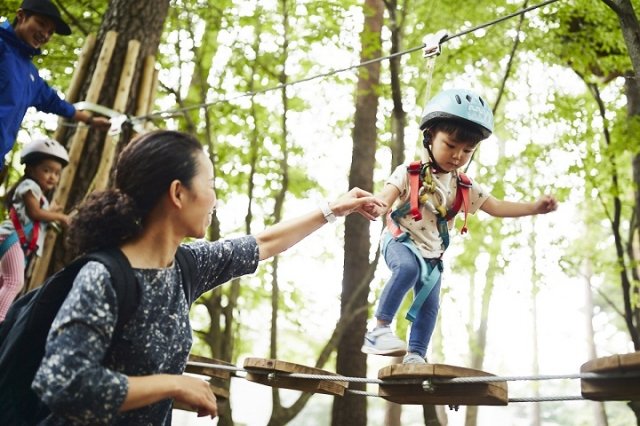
point(61, 195)
point(146, 85)
point(101, 178)
point(148, 89)
point(78, 77)
point(152, 98)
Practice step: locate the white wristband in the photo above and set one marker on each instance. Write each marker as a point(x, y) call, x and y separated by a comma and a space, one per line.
point(327, 212)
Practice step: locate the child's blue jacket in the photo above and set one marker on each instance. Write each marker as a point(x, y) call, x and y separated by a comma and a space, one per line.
point(21, 87)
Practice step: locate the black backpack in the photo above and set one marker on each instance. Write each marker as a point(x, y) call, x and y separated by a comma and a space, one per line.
point(24, 331)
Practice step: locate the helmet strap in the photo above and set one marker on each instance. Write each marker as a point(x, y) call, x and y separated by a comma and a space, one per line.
point(432, 160)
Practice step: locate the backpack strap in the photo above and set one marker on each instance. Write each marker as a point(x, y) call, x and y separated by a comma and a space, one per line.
point(124, 283)
point(187, 265)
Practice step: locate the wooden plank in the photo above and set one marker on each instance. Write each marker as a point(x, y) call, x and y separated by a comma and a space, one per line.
point(101, 178)
point(491, 393)
point(77, 79)
point(259, 369)
point(622, 389)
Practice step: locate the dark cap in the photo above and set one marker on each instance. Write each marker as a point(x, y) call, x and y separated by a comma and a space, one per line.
point(48, 9)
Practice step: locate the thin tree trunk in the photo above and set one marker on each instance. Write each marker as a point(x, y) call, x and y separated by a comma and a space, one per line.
point(599, 413)
point(536, 414)
point(351, 410)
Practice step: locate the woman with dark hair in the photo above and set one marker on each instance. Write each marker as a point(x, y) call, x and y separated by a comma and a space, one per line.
point(163, 193)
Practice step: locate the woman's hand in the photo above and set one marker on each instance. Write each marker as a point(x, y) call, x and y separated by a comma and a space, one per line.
point(360, 201)
point(196, 393)
point(188, 390)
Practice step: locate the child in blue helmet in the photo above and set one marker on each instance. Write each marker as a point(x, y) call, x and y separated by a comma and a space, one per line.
point(453, 124)
point(20, 85)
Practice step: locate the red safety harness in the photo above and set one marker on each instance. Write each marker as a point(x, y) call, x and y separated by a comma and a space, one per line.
point(28, 246)
point(415, 176)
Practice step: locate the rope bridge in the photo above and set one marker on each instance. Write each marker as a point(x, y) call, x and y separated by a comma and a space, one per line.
point(610, 378)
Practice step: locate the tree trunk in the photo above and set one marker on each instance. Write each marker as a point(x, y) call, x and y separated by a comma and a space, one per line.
point(142, 21)
point(631, 33)
point(599, 413)
point(351, 410)
point(536, 415)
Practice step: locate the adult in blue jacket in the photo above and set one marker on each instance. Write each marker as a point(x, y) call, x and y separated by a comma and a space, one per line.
point(20, 84)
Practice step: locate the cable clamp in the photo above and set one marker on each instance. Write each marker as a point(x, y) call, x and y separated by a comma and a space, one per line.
point(116, 118)
point(432, 43)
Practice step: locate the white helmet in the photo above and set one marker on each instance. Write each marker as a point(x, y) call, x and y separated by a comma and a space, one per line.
point(44, 148)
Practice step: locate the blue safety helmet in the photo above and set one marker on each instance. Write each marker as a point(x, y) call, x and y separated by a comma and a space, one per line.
point(458, 104)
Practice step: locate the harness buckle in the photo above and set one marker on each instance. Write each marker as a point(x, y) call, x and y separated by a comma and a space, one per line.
point(465, 184)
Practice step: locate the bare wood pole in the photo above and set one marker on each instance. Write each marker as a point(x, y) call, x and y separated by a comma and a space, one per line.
point(101, 178)
point(61, 195)
point(148, 125)
point(84, 59)
point(146, 86)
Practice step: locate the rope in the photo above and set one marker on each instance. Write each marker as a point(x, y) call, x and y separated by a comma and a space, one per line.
point(169, 113)
point(511, 400)
point(435, 380)
point(489, 379)
point(363, 393)
point(548, 398)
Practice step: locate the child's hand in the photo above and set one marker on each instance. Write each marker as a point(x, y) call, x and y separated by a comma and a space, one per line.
point(546, 204)
point(55, 207)
point(375, 210)
point(360, 201)
point(64, 220)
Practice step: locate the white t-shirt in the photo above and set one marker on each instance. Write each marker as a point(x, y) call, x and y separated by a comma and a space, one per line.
point(424, 232)
point(24, 187)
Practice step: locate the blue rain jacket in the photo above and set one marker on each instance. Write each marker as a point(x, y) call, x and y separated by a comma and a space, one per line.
point(21, 87)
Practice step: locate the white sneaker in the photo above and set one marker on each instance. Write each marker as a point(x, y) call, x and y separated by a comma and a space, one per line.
point(382, 341)
point(413, 358)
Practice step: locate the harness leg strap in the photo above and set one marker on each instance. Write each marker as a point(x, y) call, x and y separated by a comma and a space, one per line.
point(424, 292)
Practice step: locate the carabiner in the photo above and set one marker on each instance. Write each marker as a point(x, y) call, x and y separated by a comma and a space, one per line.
point(432, 43)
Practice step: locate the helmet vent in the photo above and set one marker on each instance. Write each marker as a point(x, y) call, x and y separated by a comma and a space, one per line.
point(481, 100)
point(458, 99)
point(468, 98)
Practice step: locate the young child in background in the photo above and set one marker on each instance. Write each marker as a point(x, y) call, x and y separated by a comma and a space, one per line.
point(453, 124)
point(21, 86)
point(29, 211)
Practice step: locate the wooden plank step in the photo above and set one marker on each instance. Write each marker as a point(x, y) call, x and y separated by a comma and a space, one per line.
point(623, 389)
point(258, 370)
point(452, 394)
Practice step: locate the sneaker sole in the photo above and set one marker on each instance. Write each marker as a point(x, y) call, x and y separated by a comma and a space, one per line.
point(389, 352)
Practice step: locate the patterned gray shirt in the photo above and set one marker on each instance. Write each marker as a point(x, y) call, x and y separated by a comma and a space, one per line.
point(84, 380)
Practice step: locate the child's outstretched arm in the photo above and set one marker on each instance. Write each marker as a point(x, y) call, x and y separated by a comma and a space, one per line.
point(502, 208)
point(37, 213)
